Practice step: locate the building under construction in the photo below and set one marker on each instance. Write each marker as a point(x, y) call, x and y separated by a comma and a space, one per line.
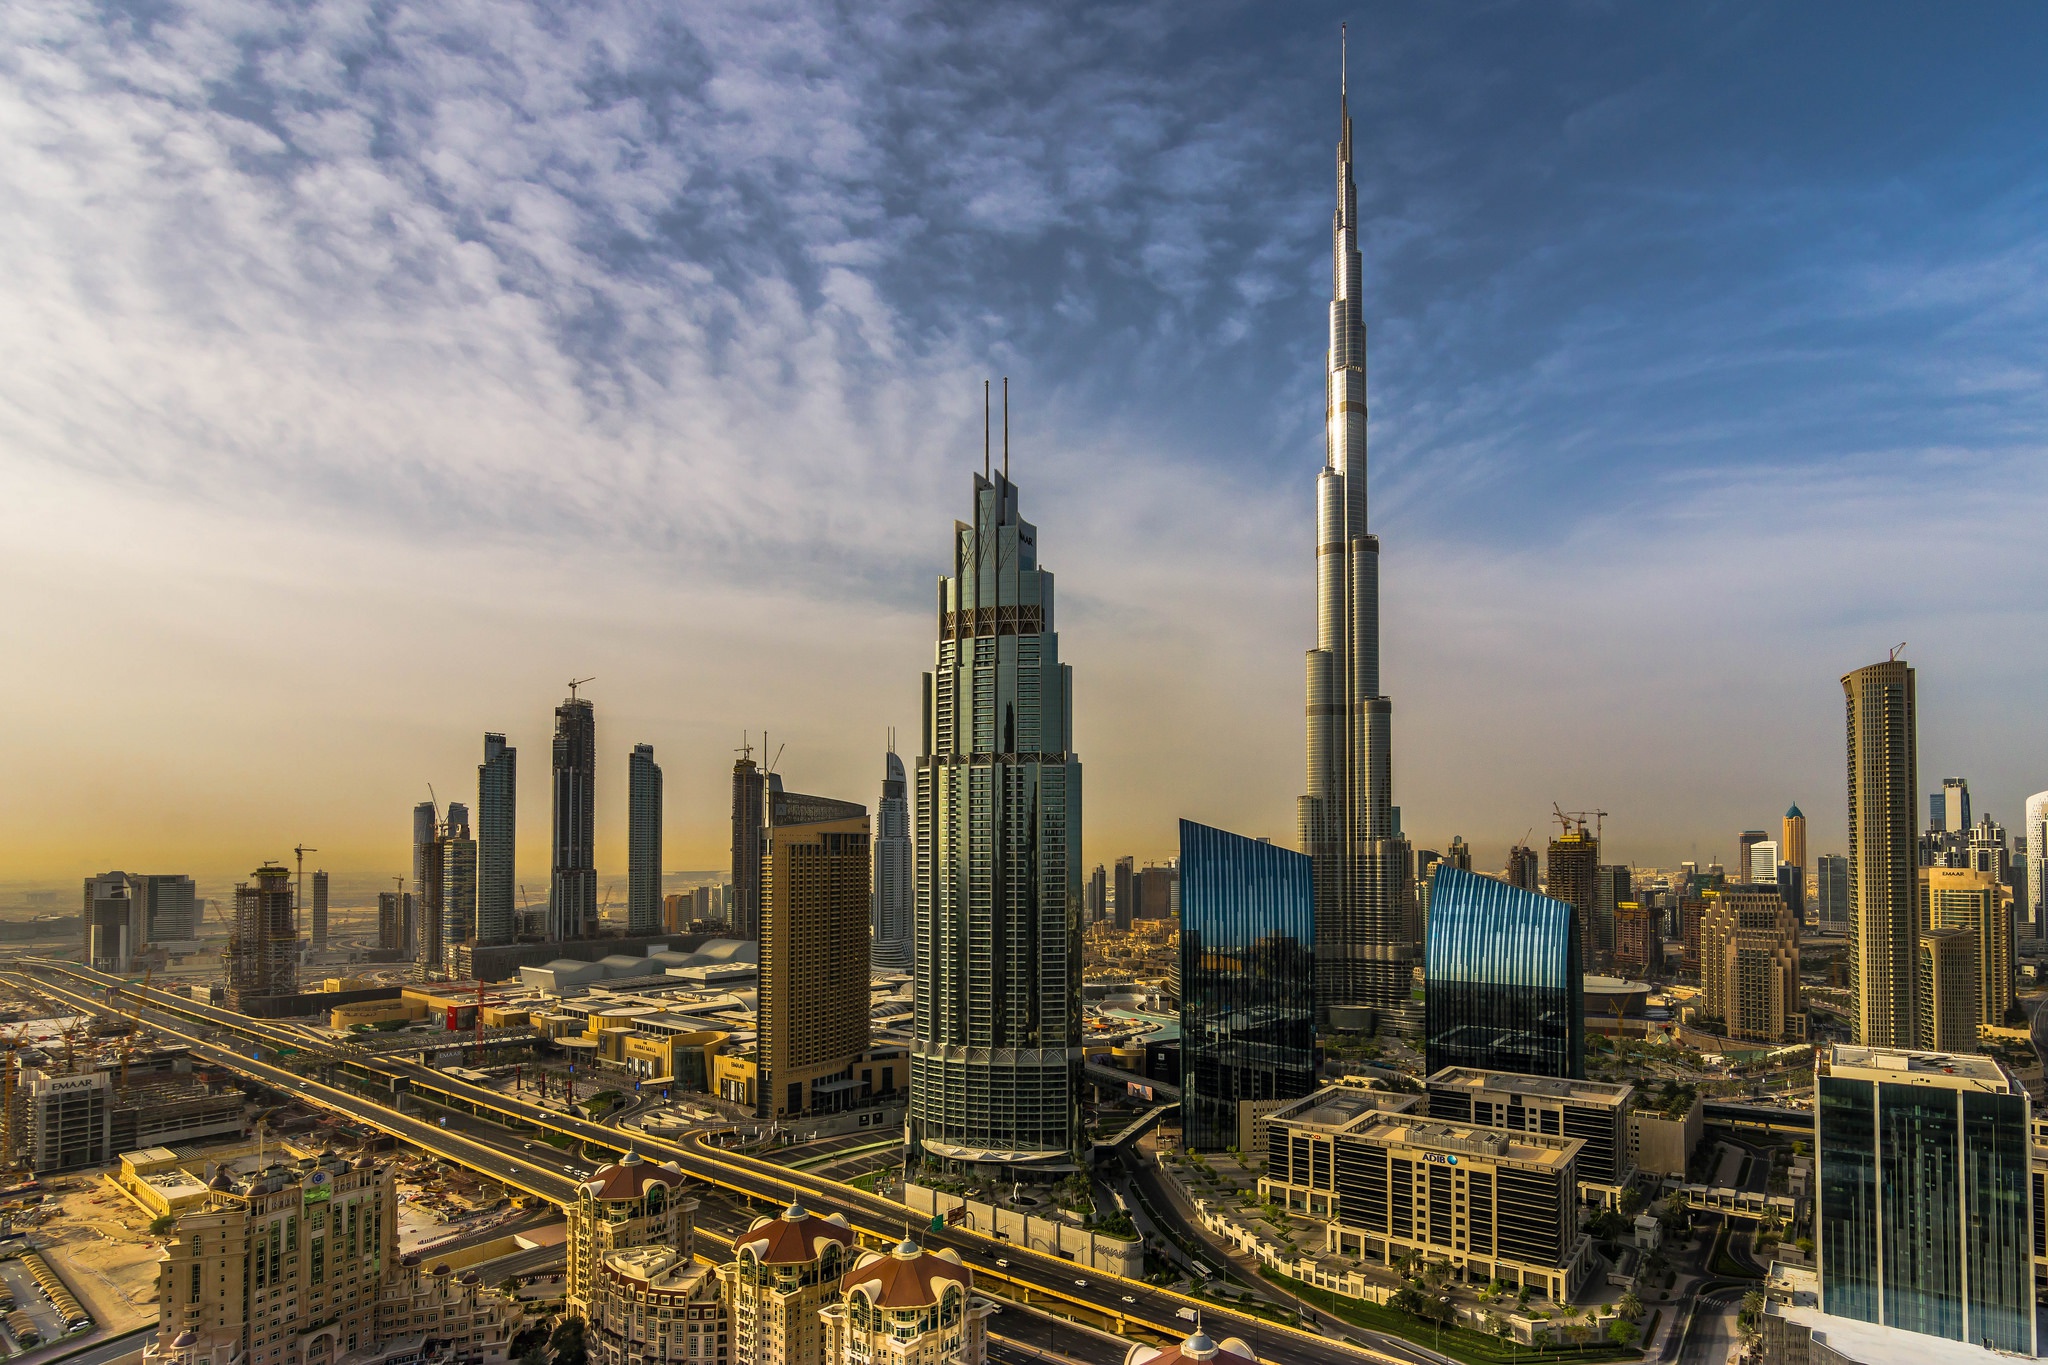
point(1572, 871)
point(262, 955)
point(59, 1122)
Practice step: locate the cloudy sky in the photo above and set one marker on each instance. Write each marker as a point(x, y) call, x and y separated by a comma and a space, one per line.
point(370, 370)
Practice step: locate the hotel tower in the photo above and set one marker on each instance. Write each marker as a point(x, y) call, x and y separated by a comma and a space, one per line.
point(1365, 941)
point(995, 1056)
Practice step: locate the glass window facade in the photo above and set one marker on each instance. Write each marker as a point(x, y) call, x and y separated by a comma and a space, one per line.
point(1247, 973)
point(1505, 985)
point(1924, 1210)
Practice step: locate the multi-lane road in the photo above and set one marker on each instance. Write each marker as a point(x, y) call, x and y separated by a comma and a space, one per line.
point(1127, 1306)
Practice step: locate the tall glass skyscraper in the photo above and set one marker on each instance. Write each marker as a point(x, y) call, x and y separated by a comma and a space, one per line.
point(893, 917)
point(1924, 1209)
point(643, 842)
point(572, 892)
point(1247, 979)
point(497, 824)
point(458, 882)
point(1505, 990)
point(749, 805)
point(995, 1060)
point(1365, 953)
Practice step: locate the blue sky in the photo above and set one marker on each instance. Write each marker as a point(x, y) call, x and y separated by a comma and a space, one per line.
point(372, 368)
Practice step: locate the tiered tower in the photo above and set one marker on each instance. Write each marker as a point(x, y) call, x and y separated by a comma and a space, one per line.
point(1365, 951)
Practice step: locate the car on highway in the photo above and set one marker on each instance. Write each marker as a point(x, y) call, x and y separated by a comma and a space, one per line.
point(1080, 1284)
point(1130, 1298)
point(1002, 1264)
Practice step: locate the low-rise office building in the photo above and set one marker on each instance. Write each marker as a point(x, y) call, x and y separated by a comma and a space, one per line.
point(1494, 1204)
point(1597, 1111)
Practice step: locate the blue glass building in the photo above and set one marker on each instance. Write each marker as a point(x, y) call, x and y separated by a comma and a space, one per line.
point(1505, 985)
point(1247, 979)
point(1924, 1205)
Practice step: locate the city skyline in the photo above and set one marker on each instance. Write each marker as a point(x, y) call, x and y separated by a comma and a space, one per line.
point(1602, 440)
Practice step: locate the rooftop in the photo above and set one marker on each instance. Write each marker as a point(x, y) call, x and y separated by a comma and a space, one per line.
point(1492, 1144)
point(1899, 1065)
point(908, 1277)
point(1477, 1080)
point(1341, 1107)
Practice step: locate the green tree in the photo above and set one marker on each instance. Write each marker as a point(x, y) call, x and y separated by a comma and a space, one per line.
point(162, 1224)
point(1623, 1333)
point(1630, 1306)
point(1631, 1201)
point(1505, 1330)
point(567, 1344)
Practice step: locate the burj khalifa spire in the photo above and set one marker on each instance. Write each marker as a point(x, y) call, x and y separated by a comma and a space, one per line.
point(1366, 927)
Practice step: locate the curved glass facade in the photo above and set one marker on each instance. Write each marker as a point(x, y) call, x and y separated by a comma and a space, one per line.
point(1247, 979)
point(1505, 990)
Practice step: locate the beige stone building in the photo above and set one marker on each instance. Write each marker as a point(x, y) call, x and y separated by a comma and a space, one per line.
point(655, 1304)
point(1948, 990)
point(631, 1203)
point(1749, 967)
point(1964, 898)
point(908, 1306)
point(297, 1265)
point(784, 1272)
point(1882, 713)
point(816, 895)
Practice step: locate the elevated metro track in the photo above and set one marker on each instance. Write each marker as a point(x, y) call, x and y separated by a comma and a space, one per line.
point(1042, 1279)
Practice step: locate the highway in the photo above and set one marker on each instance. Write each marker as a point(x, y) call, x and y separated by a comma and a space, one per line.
point(1090, 1296)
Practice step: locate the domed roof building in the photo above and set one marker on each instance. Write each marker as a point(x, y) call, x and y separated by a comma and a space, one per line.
point(1198, 1349)
point(908, 1306)
point(783, 1272)
point(631, 1203)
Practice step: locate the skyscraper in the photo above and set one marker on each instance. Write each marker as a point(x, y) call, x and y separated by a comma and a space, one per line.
point(816, 893)
point(1955, 805)
point(643, 842)
point(426, 869)
point(319, 912)
point(1613, 883)
point(1347, 819)
point(497, 826)
point(895, 900)
point(1831, 890)
point(1963, 898)
point(1763, 863)
point(1505, 988)
point(1884, 912)
point(1247, 978)
point(1793, 848)
point(1749, 966)
point(996, 1046)
point(1745, 864)
point(262, 954)
point(1571, 874)
point(1126, 892)
point(1098, 895)
point(1922, 1203)
point(749, 802)
point(1948, 990)
point(170, 906)
point(572, 892)
point(1521, 869)
point(2034, 835)
point(458, 882)
point(113, 921)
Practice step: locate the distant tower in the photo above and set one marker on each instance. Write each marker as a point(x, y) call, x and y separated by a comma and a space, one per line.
point(895, 901)
point(1126, 906)
point(817, 892)
point(1884, 912)
point(749, 801)
point(262, 954)
point(1955, 805)
point(1460, 854)
point(1793, 846)
point(2034, 840)
point(643, 842)
point(1521, 869)
point(1365, 955)
point(1098, 895)
point(1571, 874)
point(572, 897)
point(497, 824)
point(1745, 862)
point(319, 912)
point(426, 867)
point(458, 882)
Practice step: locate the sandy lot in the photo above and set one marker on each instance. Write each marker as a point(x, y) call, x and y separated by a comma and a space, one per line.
point(100, 1244)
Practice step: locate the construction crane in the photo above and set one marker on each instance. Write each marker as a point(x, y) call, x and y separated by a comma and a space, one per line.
point(1566, 818)
point(575, 683)
point(299, 897)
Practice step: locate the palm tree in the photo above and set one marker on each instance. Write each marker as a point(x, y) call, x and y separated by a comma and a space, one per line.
point(1630, 1306)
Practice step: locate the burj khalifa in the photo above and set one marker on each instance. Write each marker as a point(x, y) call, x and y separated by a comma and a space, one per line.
point(1366, 927)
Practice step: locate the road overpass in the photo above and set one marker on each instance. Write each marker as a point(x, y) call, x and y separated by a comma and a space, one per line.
point(1107, 1301)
